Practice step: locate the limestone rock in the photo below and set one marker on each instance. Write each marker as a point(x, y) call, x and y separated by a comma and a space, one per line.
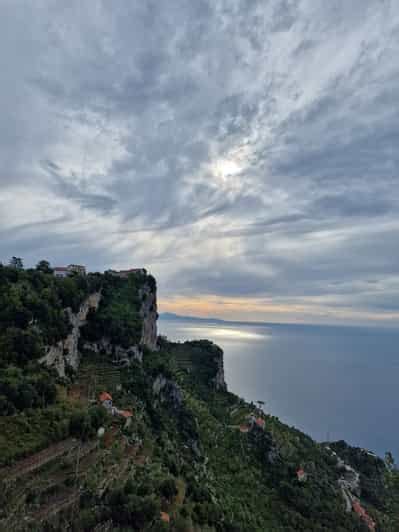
point(167, 391)
point(149, 314)
point(65, 352)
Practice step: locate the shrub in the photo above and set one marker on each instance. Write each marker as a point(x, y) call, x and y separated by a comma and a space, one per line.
point(168, 488)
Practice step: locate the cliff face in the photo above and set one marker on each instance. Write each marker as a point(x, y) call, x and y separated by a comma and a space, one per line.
point(202, 361)
point(149, 315)
point(120, 355)
point(219, 379)
point(122, 349)
point(65, 352)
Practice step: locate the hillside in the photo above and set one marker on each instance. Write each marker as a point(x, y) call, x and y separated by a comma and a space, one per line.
point(175, 450)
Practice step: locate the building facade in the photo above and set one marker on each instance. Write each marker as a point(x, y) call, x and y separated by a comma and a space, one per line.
point(64, 271)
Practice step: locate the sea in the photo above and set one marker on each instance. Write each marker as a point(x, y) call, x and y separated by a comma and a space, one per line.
point(331, 382)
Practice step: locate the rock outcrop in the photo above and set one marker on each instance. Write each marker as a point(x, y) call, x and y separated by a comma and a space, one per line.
point(219, 379)
point(65, 353)
point(167, 391)
point(120, 355)
point(149, 314)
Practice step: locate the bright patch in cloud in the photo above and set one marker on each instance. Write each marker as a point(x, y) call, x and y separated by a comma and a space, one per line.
point(245, 153)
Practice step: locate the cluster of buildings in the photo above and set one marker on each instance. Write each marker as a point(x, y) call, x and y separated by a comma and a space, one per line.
point(79, 269)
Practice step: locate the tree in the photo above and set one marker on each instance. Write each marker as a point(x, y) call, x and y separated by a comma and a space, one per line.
point(44, 266)
point(389, 461)
point(168, 488)
point(17, 263)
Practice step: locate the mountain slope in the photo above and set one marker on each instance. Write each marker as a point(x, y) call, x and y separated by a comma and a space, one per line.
point(176, 451)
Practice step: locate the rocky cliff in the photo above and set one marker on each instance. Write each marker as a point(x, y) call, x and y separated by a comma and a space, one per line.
point(149, 315)
point(219, 379)
point(137, 325)
point(202, 361)
point(65, 353)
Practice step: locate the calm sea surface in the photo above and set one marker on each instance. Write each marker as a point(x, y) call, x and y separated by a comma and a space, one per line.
point(331, 382)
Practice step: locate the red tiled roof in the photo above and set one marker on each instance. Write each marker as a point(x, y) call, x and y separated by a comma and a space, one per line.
point(361, 512)
point(358, 508)
point(301, 475)
point(125, 413)
point(165, 517)
point(105, 396)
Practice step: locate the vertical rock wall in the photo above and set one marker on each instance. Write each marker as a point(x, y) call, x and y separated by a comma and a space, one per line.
point(150, 315)
point(65, 352)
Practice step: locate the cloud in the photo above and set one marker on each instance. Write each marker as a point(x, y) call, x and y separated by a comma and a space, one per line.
point(239, 151)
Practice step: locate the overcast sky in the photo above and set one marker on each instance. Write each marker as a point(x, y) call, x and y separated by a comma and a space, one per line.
point(245, 152)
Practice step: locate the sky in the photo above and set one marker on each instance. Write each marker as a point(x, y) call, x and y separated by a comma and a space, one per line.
point(245, 153)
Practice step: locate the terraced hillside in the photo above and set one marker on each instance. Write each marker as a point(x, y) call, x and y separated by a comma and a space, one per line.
point(97, 374)
point(179, 452)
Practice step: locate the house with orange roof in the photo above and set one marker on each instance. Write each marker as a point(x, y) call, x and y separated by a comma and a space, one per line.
point(165, 517)
point(106, 400)
point(260, 422)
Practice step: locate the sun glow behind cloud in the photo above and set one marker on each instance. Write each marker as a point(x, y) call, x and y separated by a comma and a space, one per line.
point(246, 154)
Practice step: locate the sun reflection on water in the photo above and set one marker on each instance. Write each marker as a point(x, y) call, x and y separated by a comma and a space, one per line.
point(226, 333)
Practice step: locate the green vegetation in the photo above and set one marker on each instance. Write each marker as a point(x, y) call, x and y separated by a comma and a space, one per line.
point(33, 315)
point(118, 317)
point(32, 431)
point(189, 459)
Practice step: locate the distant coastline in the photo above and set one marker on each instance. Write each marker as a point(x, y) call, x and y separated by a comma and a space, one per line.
point(171, 316)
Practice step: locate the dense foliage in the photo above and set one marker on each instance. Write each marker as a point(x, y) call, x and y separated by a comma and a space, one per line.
point(180, 461)
point(33, 315)
point(118, 317)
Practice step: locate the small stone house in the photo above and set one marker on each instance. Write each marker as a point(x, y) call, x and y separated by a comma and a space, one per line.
point(301, 475)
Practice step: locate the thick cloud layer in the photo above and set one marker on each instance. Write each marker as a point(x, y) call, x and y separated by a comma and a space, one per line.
point(245, 152)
